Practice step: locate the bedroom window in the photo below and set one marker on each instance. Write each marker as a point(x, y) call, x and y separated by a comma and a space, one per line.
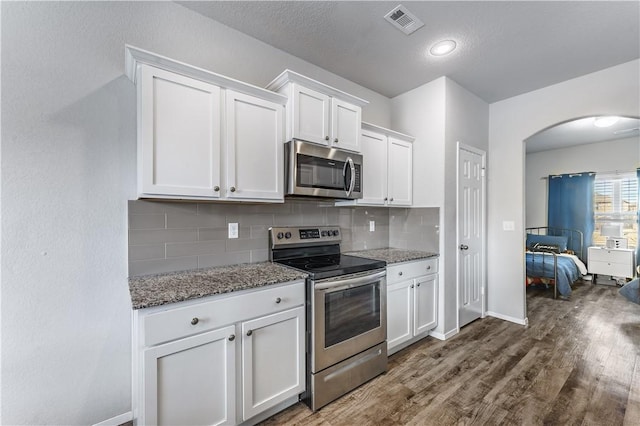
point(616, 201)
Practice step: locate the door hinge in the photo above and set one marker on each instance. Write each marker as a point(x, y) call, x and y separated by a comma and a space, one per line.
point(482, 172)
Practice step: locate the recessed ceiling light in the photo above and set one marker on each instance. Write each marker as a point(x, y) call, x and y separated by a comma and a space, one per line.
point(443, 47)
point(605, 121)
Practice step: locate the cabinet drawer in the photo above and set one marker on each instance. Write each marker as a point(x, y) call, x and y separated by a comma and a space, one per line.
point(610, 268)
point(218, 311)
point(615, 256)
point(408, 270)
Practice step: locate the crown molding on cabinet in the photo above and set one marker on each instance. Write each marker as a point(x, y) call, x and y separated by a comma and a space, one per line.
point(135, 56)
point(387, 132)
point(288, 76)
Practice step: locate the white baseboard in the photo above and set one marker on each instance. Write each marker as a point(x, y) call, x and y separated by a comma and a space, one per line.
point(117, 420)
point(444, 336)
point(521, 321)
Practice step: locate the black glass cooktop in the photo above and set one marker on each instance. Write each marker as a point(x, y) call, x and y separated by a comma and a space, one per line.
point(332, 265)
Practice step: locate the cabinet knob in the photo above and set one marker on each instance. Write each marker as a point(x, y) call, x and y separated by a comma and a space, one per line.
point(232, 337)
point(194, 321)
point(232, 189)
point(278, 300)
point(400, 273)
point(326, 138)
point(391, 199)
point(411, 286)
point(385, 198)
point(418, 285)
point(335, 140)
point(216, 188)
point(428, 267)
point(249, 332)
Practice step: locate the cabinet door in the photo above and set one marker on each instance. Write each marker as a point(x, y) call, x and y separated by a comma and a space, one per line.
point(310, 115)
point(254, 141)
point(191, 381)
point(273, 360)
point(374, 168)
point(400, 177)
point(399, 313)
point(425, 304)
point(346, 120)
point(178, 135)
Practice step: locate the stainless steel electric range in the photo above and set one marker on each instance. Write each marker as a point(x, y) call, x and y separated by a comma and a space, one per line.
point(346, 310)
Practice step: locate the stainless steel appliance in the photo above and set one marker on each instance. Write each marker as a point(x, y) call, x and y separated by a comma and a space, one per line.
point(318, 171)
point(346, 310)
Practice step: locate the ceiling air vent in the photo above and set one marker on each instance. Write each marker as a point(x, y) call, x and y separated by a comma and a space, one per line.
point(405, 21)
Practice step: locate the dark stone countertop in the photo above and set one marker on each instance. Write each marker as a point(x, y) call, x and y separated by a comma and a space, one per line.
point(394, 255)
point(161, 289)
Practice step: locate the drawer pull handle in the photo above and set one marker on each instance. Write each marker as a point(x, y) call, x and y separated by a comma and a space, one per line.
point(278, 300)
point(194, 321)
point(249, 332)
point(400, 273)
point(232, 337)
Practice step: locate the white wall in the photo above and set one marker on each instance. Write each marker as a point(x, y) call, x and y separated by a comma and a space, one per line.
point(68, 168)
point(613, 91)
point(439, 114)
point(615, 155)
point(467, 122)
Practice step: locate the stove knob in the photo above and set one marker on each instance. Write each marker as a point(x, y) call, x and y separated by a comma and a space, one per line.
point(323, 233)
point(335, 232)
point(280, 235)
point(287, 235)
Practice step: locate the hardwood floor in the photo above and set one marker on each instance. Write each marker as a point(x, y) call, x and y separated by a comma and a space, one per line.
point(578, 362)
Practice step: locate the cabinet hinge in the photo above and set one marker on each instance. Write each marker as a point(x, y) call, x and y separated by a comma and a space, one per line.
point(482, 171)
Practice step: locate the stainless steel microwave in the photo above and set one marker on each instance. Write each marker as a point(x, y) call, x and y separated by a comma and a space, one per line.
point(318, 171)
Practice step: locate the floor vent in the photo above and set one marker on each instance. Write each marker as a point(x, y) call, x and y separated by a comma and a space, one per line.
point(405, 21)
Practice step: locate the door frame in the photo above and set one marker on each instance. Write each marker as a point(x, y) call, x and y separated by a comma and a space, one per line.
point(483, 289)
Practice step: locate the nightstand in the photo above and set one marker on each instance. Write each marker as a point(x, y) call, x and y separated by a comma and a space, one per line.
point(609, 261)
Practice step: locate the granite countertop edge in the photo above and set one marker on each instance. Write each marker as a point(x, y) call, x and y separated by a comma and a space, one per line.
point(393, 255)
point(147, 291)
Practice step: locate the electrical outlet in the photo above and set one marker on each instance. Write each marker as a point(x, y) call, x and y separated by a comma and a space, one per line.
point(372, 225)
point(508, 225)
point(233, 230)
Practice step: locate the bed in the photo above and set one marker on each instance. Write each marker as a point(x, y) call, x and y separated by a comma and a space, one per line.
point(554, 258)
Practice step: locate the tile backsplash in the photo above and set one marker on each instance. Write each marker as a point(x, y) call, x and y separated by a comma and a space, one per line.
point(169, 236)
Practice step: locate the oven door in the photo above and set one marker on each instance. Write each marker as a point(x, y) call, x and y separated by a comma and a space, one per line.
point(349, 315)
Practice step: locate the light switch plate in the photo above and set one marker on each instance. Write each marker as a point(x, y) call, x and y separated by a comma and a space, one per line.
point(372, 225)
point(233, 230)
point(508, 225)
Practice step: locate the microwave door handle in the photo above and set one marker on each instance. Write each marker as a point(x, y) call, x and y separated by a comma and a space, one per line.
point(352, 180)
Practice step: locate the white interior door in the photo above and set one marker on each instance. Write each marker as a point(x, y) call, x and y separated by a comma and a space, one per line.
point(471, 234)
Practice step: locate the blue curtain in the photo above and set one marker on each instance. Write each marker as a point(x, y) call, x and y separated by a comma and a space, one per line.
point(571, 205)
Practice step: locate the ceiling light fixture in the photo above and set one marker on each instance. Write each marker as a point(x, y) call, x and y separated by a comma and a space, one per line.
point(443, 47)
point(605, 121)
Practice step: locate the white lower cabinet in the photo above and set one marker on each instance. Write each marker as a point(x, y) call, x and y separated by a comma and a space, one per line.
point(244, 355)
point(412, 302)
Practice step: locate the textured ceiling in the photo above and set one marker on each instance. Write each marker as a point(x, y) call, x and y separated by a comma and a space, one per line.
point(505, 48)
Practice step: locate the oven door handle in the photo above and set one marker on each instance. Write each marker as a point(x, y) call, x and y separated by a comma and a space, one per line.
point(338, 285)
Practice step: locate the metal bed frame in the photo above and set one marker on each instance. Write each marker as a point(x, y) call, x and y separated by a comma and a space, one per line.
point(573, 237)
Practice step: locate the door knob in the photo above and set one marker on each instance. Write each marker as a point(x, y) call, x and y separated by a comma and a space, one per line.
point(464, 247)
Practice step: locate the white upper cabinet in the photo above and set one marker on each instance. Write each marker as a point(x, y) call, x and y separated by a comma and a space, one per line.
point(319, 113)
point(387, 169)
point(254, 148)
point(203, 136)
point(400, 172)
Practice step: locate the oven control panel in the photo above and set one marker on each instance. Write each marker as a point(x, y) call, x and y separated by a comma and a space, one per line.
point(311, 235)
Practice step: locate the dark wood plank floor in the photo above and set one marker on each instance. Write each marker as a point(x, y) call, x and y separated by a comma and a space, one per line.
point(577, 363)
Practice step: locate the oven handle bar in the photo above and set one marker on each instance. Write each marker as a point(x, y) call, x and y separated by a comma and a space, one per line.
point(349, 282)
